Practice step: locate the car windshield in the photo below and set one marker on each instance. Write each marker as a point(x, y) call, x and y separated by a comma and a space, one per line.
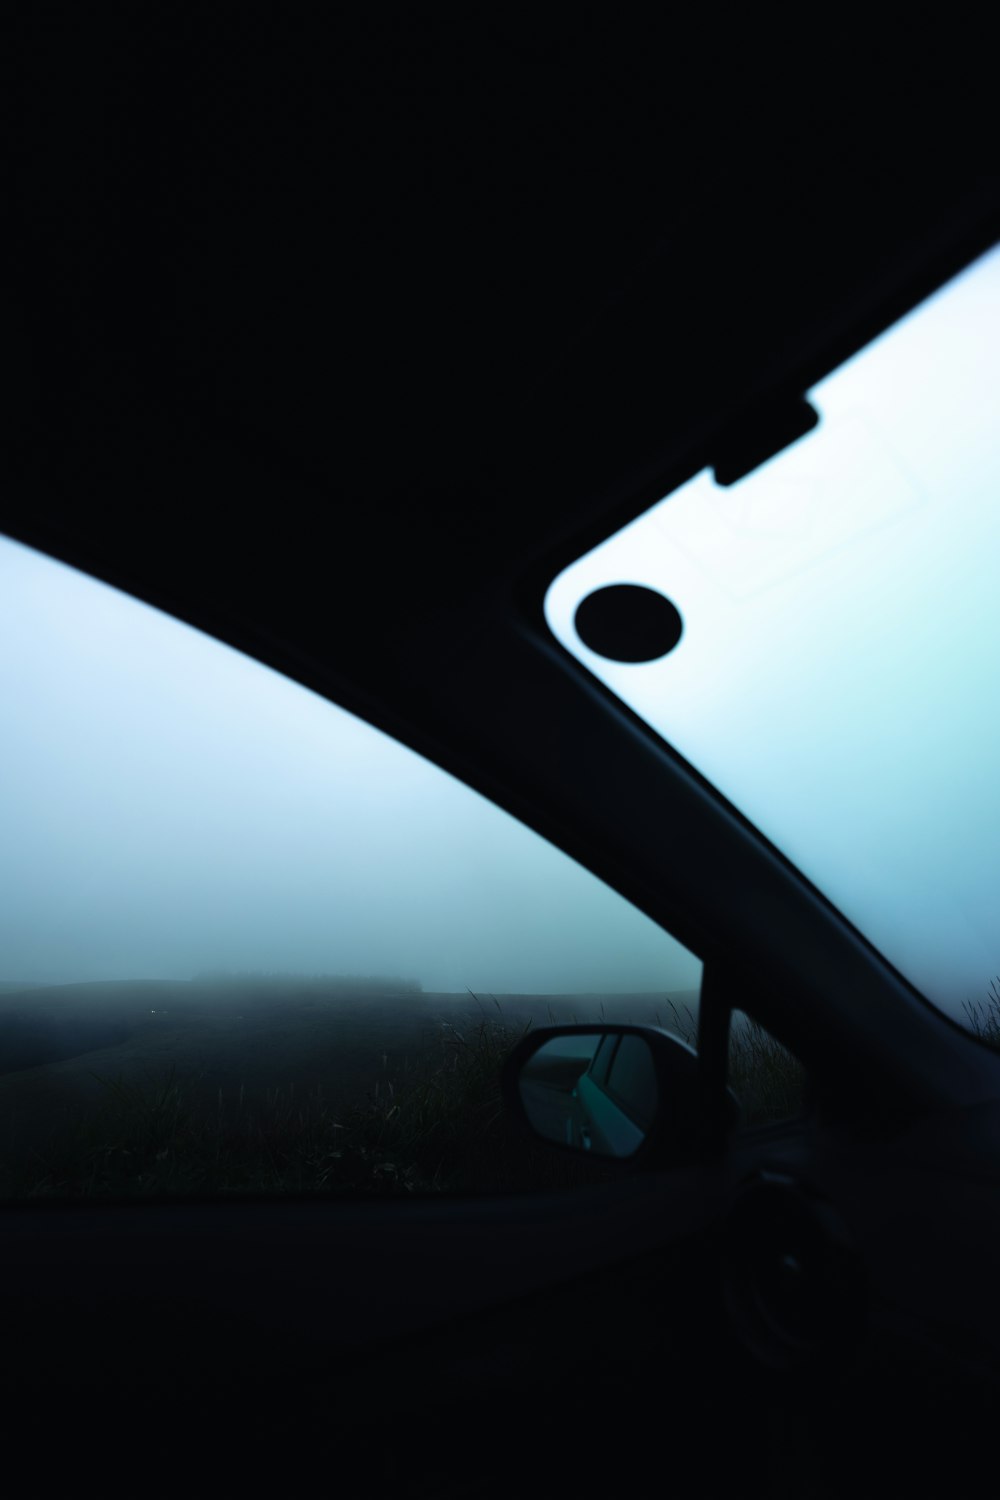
point(827, 655)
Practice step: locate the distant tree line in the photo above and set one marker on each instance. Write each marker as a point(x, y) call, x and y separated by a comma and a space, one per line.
point(338, 983)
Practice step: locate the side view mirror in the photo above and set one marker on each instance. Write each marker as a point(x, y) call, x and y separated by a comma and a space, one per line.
point(621, 1092)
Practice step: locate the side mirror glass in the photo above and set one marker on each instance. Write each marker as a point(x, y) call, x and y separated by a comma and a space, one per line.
point(593, 1091)
point(633, 1094)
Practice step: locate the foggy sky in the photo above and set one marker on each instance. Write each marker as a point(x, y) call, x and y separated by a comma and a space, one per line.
point(169, 806)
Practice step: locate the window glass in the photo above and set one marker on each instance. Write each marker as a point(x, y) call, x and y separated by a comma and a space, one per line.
point(632, 1080)
point(602, 1059)
point(768, 1081)
point(250, 943)
point(819, 640)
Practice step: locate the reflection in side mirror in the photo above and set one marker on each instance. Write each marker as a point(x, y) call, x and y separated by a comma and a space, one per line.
point(594, 1091)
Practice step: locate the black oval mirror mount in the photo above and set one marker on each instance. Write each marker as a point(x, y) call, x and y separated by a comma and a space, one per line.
point(625, 1093)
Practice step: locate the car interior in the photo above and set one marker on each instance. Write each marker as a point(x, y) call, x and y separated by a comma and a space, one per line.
point(339, 342)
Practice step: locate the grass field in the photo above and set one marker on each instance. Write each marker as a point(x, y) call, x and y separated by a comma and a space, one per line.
point(272, 1085)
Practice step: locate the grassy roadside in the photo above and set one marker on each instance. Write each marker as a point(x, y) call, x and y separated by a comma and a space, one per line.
point(765, 1077)
point(439, 1128)
point(984, 1018)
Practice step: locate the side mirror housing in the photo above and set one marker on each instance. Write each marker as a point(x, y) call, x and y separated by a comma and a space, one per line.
point(627, 1093)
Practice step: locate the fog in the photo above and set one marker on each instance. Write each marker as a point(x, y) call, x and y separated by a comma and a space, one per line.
point(170, 807)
